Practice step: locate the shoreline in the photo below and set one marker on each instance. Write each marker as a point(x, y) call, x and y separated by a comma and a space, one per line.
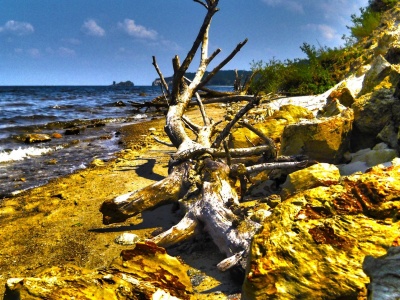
point(59, 223)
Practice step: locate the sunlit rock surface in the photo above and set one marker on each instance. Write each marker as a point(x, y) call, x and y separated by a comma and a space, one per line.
point(145, 272)
point(317, 175)
point(271, 127)
point(324, 140)
point(314, 243)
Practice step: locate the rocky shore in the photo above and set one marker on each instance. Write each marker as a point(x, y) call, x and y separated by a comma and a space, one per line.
point(330, 230)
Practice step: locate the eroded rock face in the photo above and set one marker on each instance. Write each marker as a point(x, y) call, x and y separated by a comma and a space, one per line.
point(384, 272)
point(324, 140)
point(373, 112)
point(272, 127)
point(314, 243)
point(145, 272)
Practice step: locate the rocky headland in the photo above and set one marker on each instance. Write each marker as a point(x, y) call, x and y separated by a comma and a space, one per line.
point(328, 231)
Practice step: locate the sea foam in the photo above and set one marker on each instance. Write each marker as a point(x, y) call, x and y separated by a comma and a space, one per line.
point(23, 153)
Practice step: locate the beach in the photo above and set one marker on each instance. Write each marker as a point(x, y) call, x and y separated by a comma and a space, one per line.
point(59, 223)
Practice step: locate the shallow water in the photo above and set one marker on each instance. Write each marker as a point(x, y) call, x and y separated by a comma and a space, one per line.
point(49, 110)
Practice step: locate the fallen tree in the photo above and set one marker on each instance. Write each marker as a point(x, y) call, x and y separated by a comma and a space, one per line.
point(202, 177)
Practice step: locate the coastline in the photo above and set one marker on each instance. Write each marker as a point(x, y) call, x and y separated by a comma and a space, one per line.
point(60, 223)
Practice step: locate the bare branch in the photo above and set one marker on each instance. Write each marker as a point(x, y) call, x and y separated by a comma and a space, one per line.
point(239, 169)
point(206, 121)
point(162, 142)
point(202, 3)
point(163, 82)
point(192, 126)
point(266, 139)
point(228, 127)
point(211, 10)
point(228, 155)
point(221, 65)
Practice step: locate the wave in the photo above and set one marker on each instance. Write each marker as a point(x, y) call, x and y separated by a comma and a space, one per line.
point(24, 153)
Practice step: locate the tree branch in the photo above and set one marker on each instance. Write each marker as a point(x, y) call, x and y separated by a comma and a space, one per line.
point(239, 115)
point(163, 82)
point(221, 65)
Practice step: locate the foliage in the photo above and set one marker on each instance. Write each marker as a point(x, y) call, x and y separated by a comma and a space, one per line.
point(323, 68)
point(370, 18)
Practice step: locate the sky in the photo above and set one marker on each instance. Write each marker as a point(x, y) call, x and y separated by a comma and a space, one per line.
point(96, 42)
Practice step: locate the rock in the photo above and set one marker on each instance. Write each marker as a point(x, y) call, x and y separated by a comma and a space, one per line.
point(332, 108)
point(324, 140)
point(389, 135)
point(73, 131)
point(314, 243)
point(343, 94)
point(37, 138)
point(272, 127)
point(317, 175)
point(56, 135)
point(145, 272)
point(382, 74)
point(372, 113)
point(384, 273)
point(127, 239)
point(366, 158)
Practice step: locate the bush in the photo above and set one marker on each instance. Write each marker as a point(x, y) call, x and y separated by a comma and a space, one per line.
point(321, 70)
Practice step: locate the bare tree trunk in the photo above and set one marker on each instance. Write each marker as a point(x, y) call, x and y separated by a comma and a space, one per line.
point(198, 178)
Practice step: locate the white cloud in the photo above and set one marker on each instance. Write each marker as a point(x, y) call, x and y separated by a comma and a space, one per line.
point(18, 28)
point(90, 27)
point(138, 31)
point(328, 32)
point(291, 5)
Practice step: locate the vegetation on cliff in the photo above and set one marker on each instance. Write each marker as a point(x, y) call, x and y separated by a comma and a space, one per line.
point(323, 67)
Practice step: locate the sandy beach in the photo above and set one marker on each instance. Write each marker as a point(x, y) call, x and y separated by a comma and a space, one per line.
point(60, 223)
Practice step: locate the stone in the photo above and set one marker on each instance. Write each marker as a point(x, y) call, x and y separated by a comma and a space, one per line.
point(324, 140)
point(316, 175)
point(271, 127)
point(37, 138)
point(332, 108)
point(73, 131)
point(145, 272)
point(382, 74)
point(389, 135)
point(384, 273)
point(372, 112)
point(127, 239)
point(343, 94)
point(314, 243)
point(56, 135)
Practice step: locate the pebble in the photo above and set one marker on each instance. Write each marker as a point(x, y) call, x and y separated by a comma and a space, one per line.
point(127, 239)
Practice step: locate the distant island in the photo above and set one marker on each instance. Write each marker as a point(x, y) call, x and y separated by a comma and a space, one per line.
point(226, 78)
point(127, 83)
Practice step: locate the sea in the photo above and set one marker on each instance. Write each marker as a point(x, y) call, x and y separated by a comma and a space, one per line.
point(98, 112)
point(57, 111)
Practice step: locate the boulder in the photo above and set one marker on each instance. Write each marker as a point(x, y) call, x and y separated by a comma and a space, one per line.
point(343, 94)
point(272, 126)
point(364, 159)
point(308, 178)
point(324, 140)
point(146, 272)
point(313, 245)
point(382, 74)
point(372, 113)
point(384, 273)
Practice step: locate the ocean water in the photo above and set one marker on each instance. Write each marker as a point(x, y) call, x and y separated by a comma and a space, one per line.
point(51, 110)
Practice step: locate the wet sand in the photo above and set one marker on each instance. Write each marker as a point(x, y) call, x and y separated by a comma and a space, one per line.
point(60, 223)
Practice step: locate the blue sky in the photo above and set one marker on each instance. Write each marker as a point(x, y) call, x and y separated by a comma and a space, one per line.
point(94, 42)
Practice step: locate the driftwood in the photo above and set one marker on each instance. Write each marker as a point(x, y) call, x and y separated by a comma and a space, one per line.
point(201, 177)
